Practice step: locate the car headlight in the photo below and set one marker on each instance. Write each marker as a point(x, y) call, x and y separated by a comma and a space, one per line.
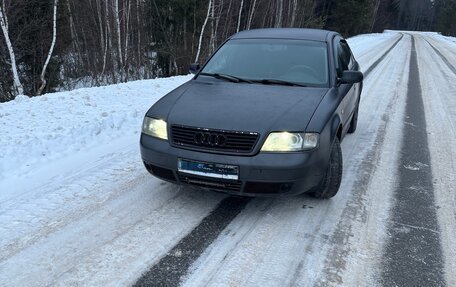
point(155, 128)
point(288, 142)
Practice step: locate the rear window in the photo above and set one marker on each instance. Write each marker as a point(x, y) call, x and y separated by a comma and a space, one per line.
point(299, 61)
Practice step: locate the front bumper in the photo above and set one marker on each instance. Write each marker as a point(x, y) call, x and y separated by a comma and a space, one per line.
point(264, 174)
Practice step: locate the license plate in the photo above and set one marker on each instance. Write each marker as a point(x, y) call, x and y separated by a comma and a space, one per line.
point(214, 170)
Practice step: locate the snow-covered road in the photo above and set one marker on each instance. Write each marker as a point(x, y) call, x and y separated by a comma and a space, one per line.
point(77, 208)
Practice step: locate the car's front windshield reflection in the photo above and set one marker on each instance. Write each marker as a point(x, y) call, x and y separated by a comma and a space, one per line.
point(298, 61)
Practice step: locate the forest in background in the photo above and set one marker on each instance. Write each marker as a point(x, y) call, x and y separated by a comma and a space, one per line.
point(49, 45)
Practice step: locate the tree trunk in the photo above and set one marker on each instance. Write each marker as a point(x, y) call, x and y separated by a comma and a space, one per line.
point(19, 90)
point(217, 22)
point(279, 14)
point(74, 36)
point(138, 20)
point(119, 38)
point(51, 50)
point(202, 31)
point(227, 23)
point(249, 22)
point(374, 16)
point(293, 13)
point(240, 16)
point(100, 27)
point(127, 37)
point(212, 40)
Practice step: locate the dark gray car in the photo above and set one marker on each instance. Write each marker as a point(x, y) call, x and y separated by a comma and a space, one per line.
point(263, 117)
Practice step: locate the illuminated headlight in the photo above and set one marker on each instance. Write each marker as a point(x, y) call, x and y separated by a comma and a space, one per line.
point(155, 128)
point(287, 142)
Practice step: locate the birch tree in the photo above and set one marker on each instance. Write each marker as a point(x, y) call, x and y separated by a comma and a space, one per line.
point(138, 22)
point(16, 81)
point(51, 49)
point(279, 14)
point(227, 22)
point(107, 38)
point(213, 30)
point(240, 16)
point(100, 26)
point(119, 38)
point(127, 31)
point(252, 12)
point(294, 11)
point(202, 31)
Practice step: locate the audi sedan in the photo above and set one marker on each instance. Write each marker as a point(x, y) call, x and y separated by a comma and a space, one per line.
point(264, 116)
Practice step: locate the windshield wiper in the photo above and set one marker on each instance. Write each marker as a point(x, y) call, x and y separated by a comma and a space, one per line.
point(279, 82)
point(227, 77)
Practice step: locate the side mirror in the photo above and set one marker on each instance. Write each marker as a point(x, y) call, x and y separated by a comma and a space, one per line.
point(351, 77)
point(194, 68)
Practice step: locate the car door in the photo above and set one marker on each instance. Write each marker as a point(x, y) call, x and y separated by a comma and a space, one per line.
point(353, 66)
point(344, 61)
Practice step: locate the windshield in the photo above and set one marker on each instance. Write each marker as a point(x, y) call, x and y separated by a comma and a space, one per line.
point(298, 61)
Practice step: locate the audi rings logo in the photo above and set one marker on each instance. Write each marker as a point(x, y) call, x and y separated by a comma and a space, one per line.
point(210, 139)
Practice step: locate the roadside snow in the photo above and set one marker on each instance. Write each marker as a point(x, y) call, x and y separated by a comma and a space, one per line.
point(36, 131)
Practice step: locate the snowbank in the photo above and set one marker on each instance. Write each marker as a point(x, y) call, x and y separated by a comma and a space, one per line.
point(41, 129)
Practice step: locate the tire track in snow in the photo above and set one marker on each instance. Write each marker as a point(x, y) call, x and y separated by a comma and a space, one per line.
point(169, 270)
point(65, 196)
point(413, 255)
point(382, 57)
point(445, 60)
point(440, 110)
point(116, 240)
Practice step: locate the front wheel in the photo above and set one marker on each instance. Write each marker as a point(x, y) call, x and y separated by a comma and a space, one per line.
point(331, 183)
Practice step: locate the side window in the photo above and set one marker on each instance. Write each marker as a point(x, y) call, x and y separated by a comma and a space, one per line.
point(342, 60)
point(348, 54)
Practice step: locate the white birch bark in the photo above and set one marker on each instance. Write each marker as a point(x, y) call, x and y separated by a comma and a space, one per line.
point(119, 39)
point(16, 81)
point(51, 49)
point(279, 14)
point(107, 36)
point(212, 40)
point(227, 20)
point(249, 22)
point(202, 31)
point(127, 33)
point(240, 15)
point(217, 22)
point(293, 13)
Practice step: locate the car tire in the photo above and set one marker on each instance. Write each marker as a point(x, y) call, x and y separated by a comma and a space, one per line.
point(331, 183)
point(354, 121)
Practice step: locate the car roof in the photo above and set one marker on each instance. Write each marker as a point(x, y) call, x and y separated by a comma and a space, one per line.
point(286, 33)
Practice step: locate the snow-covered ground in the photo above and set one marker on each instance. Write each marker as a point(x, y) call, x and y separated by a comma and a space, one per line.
point(42, 129)
point(77, 208)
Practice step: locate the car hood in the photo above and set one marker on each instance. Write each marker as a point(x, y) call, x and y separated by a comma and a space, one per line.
point(245, 107)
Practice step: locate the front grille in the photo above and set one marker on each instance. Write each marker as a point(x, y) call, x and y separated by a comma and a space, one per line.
point(210, 183)
point(229, 141)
